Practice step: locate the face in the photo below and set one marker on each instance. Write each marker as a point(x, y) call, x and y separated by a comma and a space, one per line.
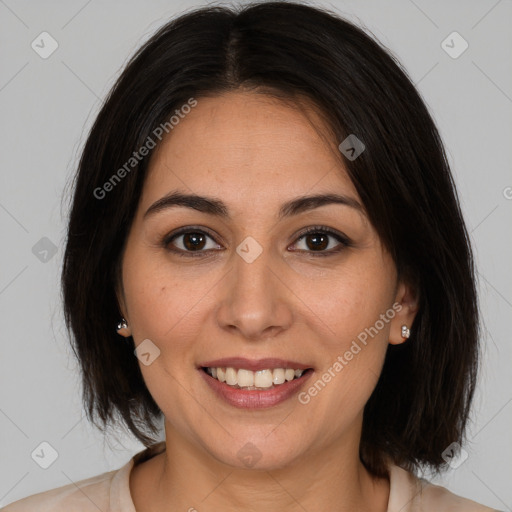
point(244, 281)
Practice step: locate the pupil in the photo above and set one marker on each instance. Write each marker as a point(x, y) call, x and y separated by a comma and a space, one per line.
point(192, 240)
point(316, 238)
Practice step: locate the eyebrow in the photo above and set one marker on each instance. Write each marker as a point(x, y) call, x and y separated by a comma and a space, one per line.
point(218, 208)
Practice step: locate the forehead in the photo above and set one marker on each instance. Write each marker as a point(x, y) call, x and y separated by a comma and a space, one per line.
point(248, 146)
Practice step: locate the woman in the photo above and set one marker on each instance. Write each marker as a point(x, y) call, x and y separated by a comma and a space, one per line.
point(264, 213)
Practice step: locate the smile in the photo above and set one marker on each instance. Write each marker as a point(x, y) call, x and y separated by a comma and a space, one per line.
point(254, 384)
point(249, 380)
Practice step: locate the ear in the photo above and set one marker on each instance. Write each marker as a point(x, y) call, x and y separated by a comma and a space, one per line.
point(407, 297)
point(121, 301)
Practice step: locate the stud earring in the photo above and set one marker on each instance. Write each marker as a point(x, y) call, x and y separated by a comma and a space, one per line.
point(406, 332)
point(122, 325)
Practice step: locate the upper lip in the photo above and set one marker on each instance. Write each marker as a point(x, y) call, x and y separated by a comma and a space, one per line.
point(254, 364)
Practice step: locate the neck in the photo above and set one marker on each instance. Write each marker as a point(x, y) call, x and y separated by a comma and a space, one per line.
point(186, 477)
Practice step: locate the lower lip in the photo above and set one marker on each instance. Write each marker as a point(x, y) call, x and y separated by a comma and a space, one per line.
point(255, 399)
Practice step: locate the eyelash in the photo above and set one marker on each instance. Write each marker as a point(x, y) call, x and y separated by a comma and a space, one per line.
point(344, 241)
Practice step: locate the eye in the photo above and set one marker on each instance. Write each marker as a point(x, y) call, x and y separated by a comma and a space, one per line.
point(192, 241)
point(316, 240)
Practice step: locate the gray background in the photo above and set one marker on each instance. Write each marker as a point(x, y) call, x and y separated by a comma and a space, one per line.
point(47, 106)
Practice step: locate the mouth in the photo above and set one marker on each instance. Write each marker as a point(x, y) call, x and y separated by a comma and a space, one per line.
point(242, 378)
point(246, 383)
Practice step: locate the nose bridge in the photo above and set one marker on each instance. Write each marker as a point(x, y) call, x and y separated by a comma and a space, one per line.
point(254, 300)
point(252, 275)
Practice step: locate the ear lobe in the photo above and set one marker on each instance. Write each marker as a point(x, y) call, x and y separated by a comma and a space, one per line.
point(408, 297)
point(123, 329)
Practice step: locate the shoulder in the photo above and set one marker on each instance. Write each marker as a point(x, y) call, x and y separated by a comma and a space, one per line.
point(108, 492)
point(409, 493)
point(440, 499)
point(91, 494)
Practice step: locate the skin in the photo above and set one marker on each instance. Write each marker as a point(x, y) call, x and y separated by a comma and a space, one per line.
point(255, 153)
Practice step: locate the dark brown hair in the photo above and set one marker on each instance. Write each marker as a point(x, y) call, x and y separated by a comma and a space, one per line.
point(422, 400)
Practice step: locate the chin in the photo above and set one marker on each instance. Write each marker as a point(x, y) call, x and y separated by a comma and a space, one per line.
point(258, 452)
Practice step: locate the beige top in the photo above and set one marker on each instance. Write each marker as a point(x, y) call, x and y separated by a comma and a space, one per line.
point(110, 492)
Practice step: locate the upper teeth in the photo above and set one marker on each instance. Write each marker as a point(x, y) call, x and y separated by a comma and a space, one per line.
point(258, 379)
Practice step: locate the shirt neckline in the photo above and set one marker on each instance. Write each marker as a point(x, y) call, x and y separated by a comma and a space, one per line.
point(403, 485)
point(120, 494)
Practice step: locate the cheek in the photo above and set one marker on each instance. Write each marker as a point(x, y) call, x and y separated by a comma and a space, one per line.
point(357, 308)
point(353, 303)
point(163, 300)
point(352, 360)
point(163, 308)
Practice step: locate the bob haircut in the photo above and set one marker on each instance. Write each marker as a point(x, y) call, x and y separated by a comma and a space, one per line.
point(290, 51)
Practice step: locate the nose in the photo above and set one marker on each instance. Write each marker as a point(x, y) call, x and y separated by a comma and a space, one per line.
point(255, 301)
